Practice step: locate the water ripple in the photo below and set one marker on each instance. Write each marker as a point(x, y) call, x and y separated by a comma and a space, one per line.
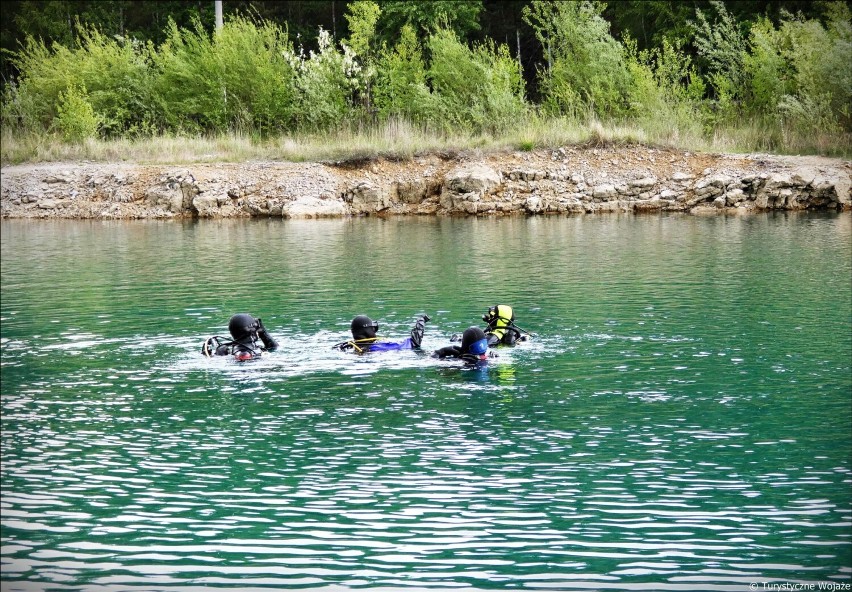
point(680, 422)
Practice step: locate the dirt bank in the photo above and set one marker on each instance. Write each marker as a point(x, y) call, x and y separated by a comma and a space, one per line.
point(566, 180)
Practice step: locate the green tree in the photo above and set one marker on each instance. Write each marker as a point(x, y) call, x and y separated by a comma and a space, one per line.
point(401, 89)
point(586, 69)
point(460, 16)
point(362, 16)
point(75, 116)
point(479, 89)
point(723, 47)
point(649, 22)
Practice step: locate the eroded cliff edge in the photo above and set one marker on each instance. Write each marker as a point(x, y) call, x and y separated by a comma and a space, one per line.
point(566, 180)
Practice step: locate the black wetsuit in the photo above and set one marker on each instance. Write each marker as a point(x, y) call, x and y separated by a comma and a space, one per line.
point(473, 348)
point(455, 351)
point(503, 336)
point(246, 348)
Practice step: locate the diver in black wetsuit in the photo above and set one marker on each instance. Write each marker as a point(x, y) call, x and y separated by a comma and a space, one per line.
point(473, 348)
point(364, 337)
point(245, 332)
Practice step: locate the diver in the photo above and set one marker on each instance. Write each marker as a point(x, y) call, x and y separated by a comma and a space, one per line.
point(364, 338)
point(245, 331)
point(473, 348)
point(501, 329)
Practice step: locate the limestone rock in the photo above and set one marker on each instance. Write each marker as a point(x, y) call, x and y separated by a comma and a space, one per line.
point(479, 179)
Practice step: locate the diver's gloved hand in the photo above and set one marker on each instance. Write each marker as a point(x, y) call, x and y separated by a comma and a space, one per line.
point(417, 331)
point(268, 342)
point(449, 351)
point(455, 337)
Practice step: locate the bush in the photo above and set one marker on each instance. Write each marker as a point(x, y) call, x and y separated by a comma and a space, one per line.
point(115, 72)
point(188, 89)
point(240, 79)
point(44, 75)
point(400, 90)
point(768, 71)
point(723, 47)
point(258, 82)
point(797, 73)
point(586, 65)
point(819, 60)
point(76, 117)
point(118, 78)
point(326, 82)
point(477, 89)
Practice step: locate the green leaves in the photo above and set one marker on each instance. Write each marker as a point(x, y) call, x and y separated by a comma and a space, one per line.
point(76, 118)
point(586, 69)
point(792, 73)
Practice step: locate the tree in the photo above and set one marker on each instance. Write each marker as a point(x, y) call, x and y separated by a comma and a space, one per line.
point(362, 16)
point(459, 16)
point(585, 67)
point(401, 89)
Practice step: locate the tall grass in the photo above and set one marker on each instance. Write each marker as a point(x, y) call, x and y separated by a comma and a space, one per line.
point(400, 139)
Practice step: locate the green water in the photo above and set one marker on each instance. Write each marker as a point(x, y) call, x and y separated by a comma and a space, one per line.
point(683, 421)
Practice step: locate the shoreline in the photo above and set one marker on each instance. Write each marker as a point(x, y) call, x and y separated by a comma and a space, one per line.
point(566, 180)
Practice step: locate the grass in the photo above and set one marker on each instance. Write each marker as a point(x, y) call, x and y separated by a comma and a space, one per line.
point(400, 139)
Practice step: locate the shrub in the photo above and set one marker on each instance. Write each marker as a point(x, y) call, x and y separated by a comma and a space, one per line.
point(586, 65)
point(819, 61)
point(326, 82)
point(723, 47)
point(117, 75)
point(240, 79)
point(665, 93)
point(188, 88)
point(115, 72)
point(44, 74)
point(76, 117)
point(768, 71)
point(258, 82)
point(477, 89)
point(800, 71)
point(400, 89)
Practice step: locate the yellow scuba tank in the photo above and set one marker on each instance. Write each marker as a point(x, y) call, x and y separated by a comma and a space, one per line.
point(499, 318)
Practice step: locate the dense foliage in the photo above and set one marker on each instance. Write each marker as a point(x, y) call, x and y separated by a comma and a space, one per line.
point(432, 64)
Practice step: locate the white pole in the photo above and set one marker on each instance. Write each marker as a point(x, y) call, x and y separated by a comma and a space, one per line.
point(218, 4)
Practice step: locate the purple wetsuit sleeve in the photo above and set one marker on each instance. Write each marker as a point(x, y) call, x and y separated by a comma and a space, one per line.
point(391, 345)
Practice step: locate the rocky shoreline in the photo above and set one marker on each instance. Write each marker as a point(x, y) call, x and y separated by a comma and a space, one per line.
point(568, 180)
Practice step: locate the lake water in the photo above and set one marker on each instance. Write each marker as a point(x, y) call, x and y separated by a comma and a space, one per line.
point(682, 421)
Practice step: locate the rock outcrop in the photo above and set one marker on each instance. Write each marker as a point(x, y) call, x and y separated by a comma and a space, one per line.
point(562, 181)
